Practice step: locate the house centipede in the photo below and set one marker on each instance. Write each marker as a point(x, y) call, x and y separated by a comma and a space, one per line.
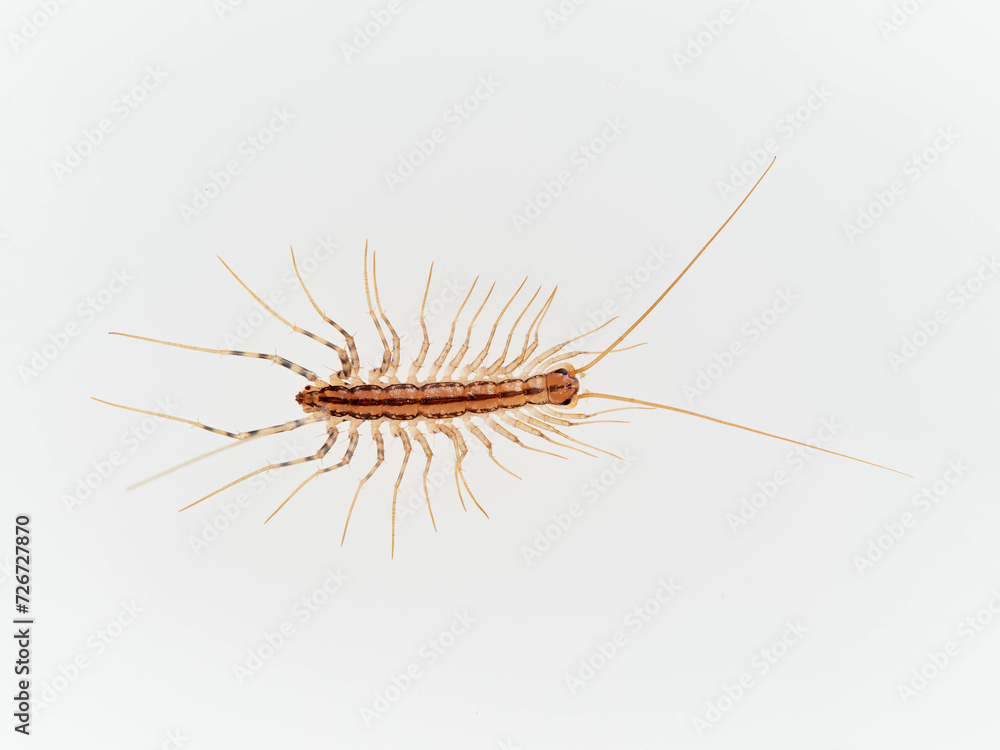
point(534, 394)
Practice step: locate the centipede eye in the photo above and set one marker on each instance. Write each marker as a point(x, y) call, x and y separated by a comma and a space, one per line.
point(562, 371)
point(567, 402)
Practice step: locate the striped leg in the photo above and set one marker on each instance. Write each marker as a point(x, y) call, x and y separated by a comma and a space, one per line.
point(351, 348)
point(324, 449)
point(297, 369)
point(348, 455)
point(293, 425)
point(345, 363)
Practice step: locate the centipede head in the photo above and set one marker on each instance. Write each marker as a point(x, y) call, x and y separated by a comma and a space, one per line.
point(562, 386)
point(308, 399)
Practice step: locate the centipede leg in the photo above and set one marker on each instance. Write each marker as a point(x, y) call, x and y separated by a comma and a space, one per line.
point(345, 362)
point(380, 457)
point(422, 440)
point(504, 432)
point(513, 422)
point(549, 409)
point(474, 429)
point(426, 345)
point(461, 450)
point(394, 357)
point(554, 353)
point(297, 369)
point(495, 367)
point(436, 365)
point(324, 449)
point(293, 425)
point(529, 345)
point(458, 487)
point(387, 352)
point(552, 419)
point(446, 375)
point(399, 432)
point(541, 425)
point(352, 444)
point(474, 364)
point(352, 350)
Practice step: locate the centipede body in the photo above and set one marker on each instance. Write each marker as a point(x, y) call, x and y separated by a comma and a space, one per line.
point(529, 393)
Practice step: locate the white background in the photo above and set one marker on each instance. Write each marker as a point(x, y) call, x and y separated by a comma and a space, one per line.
point(850, 96)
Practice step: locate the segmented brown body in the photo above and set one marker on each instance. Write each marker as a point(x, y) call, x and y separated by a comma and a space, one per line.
point(406, 401)
point(519, 393)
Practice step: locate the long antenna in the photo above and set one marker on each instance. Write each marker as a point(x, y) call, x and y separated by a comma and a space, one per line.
point(738, 426)
point(686, 268)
